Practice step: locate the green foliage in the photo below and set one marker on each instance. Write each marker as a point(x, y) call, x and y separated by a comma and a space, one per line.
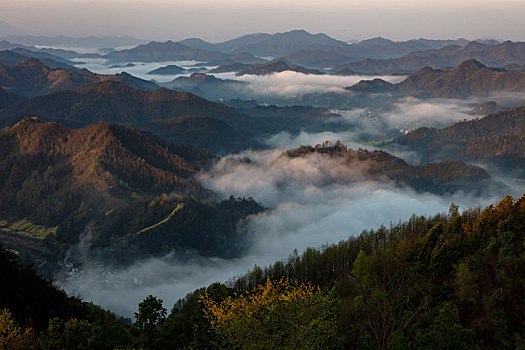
point(451, 281)
point(150, 315)
point(443, 177)
point(444, 333)
point(27, 228)
point(276, 315)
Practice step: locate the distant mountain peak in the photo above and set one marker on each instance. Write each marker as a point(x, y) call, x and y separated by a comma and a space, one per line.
point(471, 65)
point(425, 71)
point(31, 63)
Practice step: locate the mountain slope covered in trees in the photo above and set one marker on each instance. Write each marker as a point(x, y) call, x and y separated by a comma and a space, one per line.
point(448, 281)
point(31, 78)
point(470, 78)
point(496, 139)
point(378, 165)
point(128, 191)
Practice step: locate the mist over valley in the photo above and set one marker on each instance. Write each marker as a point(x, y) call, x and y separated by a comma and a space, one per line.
point(203, 177)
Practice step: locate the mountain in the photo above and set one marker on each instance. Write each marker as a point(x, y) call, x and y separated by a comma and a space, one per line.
point(371, 50)
point(372, 86)
point(345, 72)
point(30, 297)
point(276, 66)
point(246, 57)
point(208, 86)
point(9, 58)
point(436, 177)
point(470, 78)
point(59, 62)
point(231, 67)
point(110, 182)
point(14, 56)
point(304, 46)
point(499, 55)
point(319, 59)
point(92, 42)
point(115, 102)
point(489, 107)
point(497, 139)
point(7, 99)
point(240, 58)
point(291, 119)
point(160, 52)
point(197, 43)
point(43, 53)
point(515, 67)
point(103, 154)
point(271, 45)
point(381, 48)
point(167, 70)
point(205, 132)
point(32, 77)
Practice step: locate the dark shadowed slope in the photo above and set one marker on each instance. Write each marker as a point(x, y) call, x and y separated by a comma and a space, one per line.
point(276, 66)
point(115, 102)
point(32, 77)
point(161, 52)
point(498, 139)
point(470, 78)
point(380, 166)
point(499, 55)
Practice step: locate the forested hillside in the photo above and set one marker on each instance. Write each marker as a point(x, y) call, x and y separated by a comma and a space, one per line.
point(450, 281)
point(175, 116)
point(32, 77)
point(378, 165)
point(133, 194)
point(497, 139)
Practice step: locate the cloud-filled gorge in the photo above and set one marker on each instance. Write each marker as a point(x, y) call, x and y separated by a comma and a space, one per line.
point(312, 201)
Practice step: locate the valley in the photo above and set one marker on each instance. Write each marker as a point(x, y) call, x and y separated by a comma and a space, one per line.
point(174, 169)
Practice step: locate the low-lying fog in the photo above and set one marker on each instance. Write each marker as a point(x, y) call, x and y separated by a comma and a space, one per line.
point(137, 69)
point(315, 201)
point(283, 84)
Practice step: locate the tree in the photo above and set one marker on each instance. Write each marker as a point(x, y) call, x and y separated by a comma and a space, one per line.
point(276, 315)
point(151, 314)
point(12, 337)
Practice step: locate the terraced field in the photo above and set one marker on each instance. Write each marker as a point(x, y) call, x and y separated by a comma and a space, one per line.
point(26, 228)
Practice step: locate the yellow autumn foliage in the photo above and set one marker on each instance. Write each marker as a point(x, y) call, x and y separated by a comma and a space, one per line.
point(274, 315)
point(12, 337)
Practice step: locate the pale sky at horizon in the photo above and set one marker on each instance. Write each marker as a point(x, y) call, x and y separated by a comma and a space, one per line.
point(226, 19)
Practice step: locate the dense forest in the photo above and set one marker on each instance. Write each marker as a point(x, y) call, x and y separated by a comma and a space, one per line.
point(133, 194)
point(450, 281)
point(497, 139)
point(442, 177)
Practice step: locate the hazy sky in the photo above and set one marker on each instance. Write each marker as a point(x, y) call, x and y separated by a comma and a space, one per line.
point(217, 20)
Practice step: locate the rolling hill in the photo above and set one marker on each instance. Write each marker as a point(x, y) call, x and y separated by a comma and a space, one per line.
point(32, 77)
point(499, 55)
point(160, 52)
point(273, 45)
point(115, 102)
point(112, 182)
point(439, 178)
point(470, 78)
point(276, 66)
point(496, 139)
